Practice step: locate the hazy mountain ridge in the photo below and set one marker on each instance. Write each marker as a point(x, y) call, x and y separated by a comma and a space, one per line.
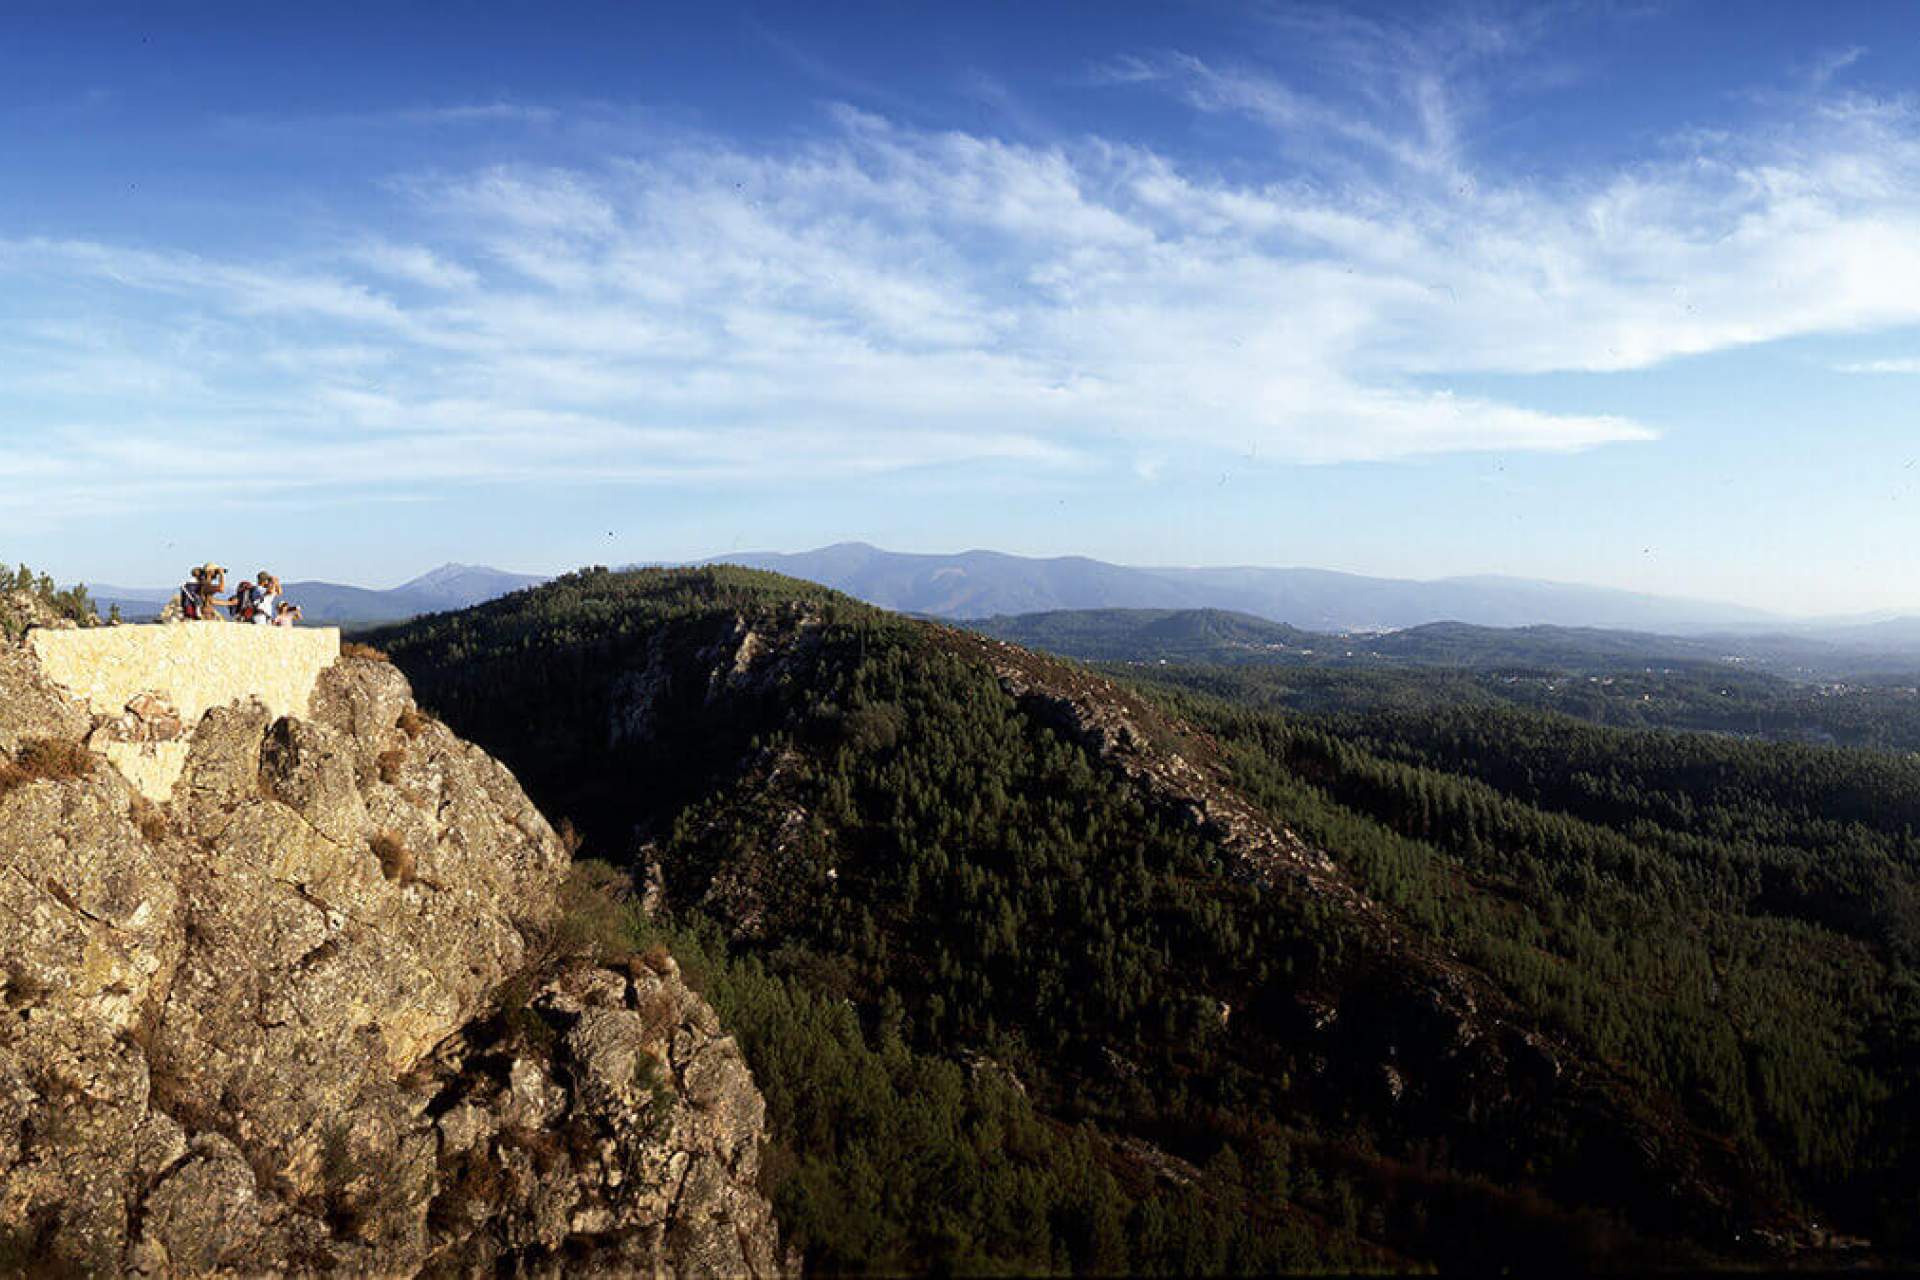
point(980, 585)
point(977, 584)
point(1773, 688)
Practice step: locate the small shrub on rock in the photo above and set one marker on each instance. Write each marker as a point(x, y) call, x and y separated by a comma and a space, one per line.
point(148, 817)
point(44, 758)
point(396, 860)
point(597, 913)
point(390, 763)
point(55, 758)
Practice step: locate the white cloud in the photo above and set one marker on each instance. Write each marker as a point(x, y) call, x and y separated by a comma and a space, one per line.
point(477, 113)
point(416, 264)
point(471, 115)
point(881, 297)
point(1908, 364)
point(1127, 69)
point(1831, 63)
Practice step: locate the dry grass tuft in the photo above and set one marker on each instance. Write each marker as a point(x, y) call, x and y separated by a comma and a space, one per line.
point(55, 758)
point(396, 860)
point(390, 763)
point(365, 652)
point(659, 1015)
point(150, 819)
point(45, 758)
point(412, 722)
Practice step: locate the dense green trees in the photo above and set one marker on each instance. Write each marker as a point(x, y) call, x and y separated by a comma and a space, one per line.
point(893, 1159)
point(1733, 922)
point(975, 969)
point(1878, 711)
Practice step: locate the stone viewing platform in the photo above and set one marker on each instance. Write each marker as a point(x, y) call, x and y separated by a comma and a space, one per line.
point(149, 685)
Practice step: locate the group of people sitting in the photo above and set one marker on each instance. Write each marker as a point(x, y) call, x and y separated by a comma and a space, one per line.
point(258, 601)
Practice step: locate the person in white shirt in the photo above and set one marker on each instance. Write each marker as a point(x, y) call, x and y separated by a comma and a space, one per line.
point(257, 601)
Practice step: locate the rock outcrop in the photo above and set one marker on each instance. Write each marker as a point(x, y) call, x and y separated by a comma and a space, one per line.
point(301, 1017)
point(22, 609)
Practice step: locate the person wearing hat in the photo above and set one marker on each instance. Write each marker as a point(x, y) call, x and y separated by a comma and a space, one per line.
point(200, 598)
point(266, 599)
point(254, 601)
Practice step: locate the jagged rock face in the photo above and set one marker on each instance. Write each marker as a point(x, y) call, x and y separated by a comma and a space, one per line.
point(741, 658)
point(31, 707)
point(232, 1030)
point(623, 1133)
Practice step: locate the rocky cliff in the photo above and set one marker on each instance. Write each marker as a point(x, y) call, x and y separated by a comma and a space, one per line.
point(308, 1013)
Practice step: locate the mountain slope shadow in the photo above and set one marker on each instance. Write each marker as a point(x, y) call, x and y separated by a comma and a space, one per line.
point(1004, 859)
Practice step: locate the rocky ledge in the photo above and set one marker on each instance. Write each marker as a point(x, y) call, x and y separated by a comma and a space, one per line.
point(304, 1016)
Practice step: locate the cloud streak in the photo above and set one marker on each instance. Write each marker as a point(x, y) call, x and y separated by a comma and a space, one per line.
point(1907, 364)
point(878, 297)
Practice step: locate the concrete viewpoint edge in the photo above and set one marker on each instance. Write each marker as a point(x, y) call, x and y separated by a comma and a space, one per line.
point(195, 666)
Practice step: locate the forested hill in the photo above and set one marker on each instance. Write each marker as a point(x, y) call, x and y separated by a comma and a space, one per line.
point(1771, 688)
point(1158, 635)
point(1038, 971)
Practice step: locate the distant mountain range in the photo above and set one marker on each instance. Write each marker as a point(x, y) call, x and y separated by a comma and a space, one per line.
point(979, 584)
point(975, 585)
point(451, 586)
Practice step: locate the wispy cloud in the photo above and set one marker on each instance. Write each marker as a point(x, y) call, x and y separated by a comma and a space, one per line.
point(881, 297)
point(824, 72)
point(1126, 69)
point(1910, 364)
point(462, 115)
point(1831, 63)
point(413, 263)
point(473, 113)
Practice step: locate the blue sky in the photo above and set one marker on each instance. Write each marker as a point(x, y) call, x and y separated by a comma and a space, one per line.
point(1617, 293)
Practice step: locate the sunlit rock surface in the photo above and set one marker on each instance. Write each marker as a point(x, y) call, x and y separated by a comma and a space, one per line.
point(289, 1017)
